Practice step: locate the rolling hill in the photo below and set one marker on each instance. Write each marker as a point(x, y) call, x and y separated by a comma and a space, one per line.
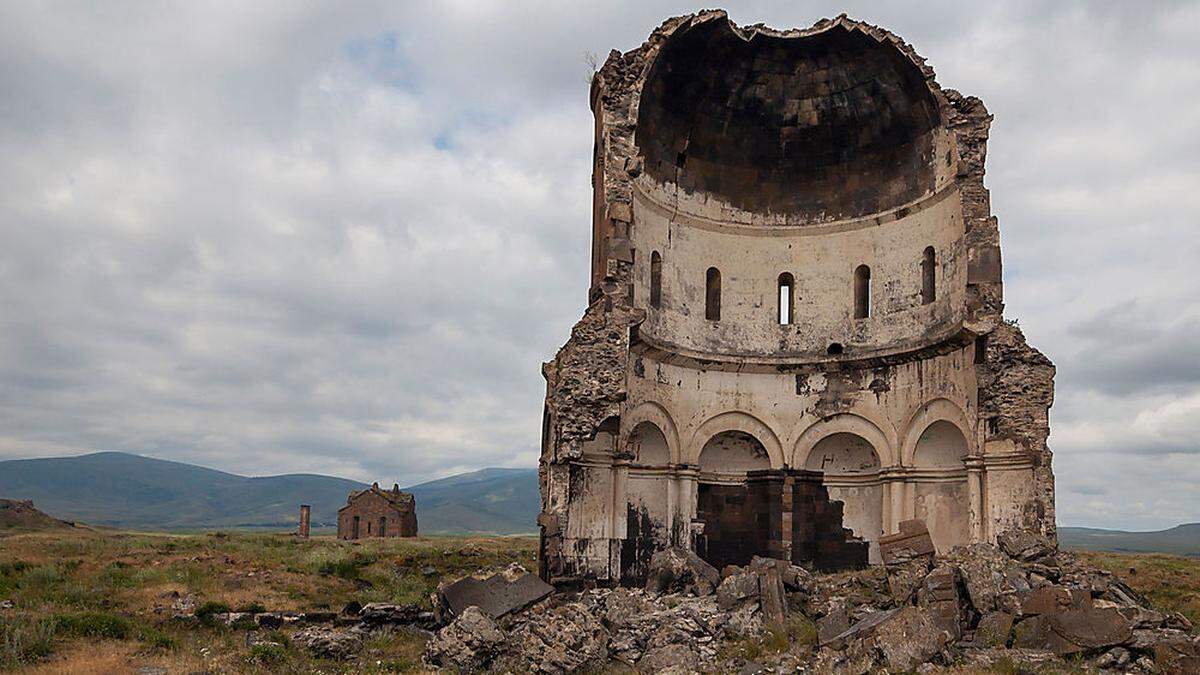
point(1179, 540)
point(133, 492)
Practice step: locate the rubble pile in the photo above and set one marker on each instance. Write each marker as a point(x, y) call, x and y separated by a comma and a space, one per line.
point(1020, 602)
point(1023, 601)
point(678, 621)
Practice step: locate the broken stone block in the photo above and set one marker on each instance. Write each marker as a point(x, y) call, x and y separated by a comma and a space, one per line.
point(1032, 633)
point(1178, 622)
point(1045, 600)
point(1073, 631)
point(938, 593)
point(1090, 629)
point(623, 606)
point(677, 570)
point(269, 620)
point(994, 629)
point(1140, 617)
point(796, 578)
point(329, 643)
point(864, 628)
point(1178, 654)
point(912, 541)
point(905, 576)
point(496, 596)
point(772, 597)
point(1025, 545)
point(469, 643)
point(832, 625)
point(992, 579)
point(381, 613)
point(1117, 657)
point(559, 639)
point(909, 638)
point(677, 655)
point(736, 588)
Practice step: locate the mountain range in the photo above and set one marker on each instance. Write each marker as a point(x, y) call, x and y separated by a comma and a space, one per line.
point(1179, 540)
point(127, 491)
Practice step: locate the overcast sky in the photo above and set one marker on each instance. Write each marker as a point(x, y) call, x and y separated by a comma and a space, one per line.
point(296, 237)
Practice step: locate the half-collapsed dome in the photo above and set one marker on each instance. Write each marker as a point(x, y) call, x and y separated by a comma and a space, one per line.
point(817, 127)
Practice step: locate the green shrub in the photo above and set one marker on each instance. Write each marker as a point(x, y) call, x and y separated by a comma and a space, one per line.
point(252, 607)
point(343, 568)
point(155, 638)
point(24, 640)
point(205, 612)
point(268, 654)
point(95, 624)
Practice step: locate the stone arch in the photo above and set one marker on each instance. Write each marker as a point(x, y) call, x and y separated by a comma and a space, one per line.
point(940, 494)
point(650, 411)
point(942, 445)
point(938, 409)
point(732, 452)
point(850, 465)
point(648, 444)
point(843, 453)
point(850, 423)
point(736, 421)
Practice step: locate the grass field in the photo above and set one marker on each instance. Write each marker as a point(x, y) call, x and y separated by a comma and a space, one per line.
point(95, 602)
point(1170, 583)
point(101, 602)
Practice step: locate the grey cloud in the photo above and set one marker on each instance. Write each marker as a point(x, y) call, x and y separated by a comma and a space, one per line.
point(271, 237)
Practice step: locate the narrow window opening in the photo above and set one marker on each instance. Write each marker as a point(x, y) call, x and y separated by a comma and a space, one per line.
point(655, 279)
point(862, 292)
point(787, 306)
point(928, 276)
point(368, 527)
point(835, 348)
point(712, 295)
point(383, 526)
point(981, 349)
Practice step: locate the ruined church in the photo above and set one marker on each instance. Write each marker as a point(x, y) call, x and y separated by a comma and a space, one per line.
point(794, 338)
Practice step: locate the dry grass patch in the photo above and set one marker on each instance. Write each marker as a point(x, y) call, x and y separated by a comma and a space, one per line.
point(110, 594)
point(1170, 583)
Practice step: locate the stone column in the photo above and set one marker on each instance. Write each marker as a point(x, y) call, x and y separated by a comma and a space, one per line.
point(305, 515)
point(977, 509)
point(887, 506)
point(688, 477)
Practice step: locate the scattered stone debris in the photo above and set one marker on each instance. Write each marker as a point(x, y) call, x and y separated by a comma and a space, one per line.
point(678, 570)
point(1025, 605)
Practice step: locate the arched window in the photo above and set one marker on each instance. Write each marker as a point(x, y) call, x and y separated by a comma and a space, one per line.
point(928, 276)
point(787, 306)
point(655, 279)
point(862, 292)
point(712, 295)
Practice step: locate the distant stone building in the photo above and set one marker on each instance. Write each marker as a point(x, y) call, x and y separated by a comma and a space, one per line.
point(378, 513)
